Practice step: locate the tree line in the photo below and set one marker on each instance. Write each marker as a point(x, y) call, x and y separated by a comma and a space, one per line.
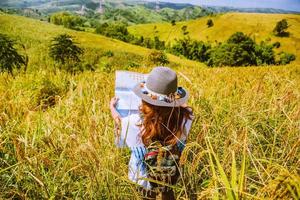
point(239, 50)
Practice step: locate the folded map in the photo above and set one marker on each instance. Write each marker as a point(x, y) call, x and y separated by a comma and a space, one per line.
point(128, 102)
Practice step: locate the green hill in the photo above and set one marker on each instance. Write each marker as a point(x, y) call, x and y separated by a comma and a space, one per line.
point(258, 26)
point(244, 143)
point(37, 35)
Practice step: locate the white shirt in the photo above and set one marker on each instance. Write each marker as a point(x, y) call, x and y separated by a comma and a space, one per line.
point(130, 137)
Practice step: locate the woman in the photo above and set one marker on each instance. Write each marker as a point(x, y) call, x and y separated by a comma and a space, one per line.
point(165, 120)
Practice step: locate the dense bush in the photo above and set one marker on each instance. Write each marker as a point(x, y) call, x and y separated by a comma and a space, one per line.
point(9, 57)
point(286, 58)
point(115, 30)
point(66, 19)
point(191, 49)
point(210, 23)
point(238, 50)
point(280, 28)
point(264, 54)
point(241, 50)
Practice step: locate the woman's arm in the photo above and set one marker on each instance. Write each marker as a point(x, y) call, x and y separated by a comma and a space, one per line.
point(115, 115)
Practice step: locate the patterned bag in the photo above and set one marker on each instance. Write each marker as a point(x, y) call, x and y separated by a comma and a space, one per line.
point(162, 164)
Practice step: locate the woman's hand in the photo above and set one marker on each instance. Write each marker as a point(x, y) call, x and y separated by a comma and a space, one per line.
point(116, 116)
point(113, 102)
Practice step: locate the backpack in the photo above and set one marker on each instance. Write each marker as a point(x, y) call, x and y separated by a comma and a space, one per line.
point(162, 164)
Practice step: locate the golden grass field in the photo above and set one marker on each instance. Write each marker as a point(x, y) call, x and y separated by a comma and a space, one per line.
point(258, 26)
point(244, 144)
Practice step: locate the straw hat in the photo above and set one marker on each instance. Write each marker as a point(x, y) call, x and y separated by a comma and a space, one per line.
point(160, 89)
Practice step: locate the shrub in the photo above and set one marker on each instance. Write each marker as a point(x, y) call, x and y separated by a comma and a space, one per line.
point(209, 23)
point(173, 22)
point(116, 30)
point(191, 49)
point(10, 58)
point(276, 45)
point(67, 20)
point(66, 52)
point(241, 50)
point(158, 58)
point(158, 44)
point(49, 94)
point(229, 55)
point(280, 28)
point(286, 58)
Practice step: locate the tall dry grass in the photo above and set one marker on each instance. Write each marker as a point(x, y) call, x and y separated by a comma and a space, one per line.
point(244, 143)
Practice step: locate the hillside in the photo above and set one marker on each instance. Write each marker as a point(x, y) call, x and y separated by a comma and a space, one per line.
point(258, 26)
point(39, 39)
point(128, 11)
point(244, 143)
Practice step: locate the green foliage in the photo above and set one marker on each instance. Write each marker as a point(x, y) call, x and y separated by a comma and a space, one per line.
point(210, 23)
point(228, 55)
point(241, 50)
point(264, 54)
point(173, 22)
point(191, 49)
point(114, 30)
point(286, 58)
point(9, 57)
point(158, 58)
point(119, 31)
point(280, 28)
point(67, 19)
point(66, 52)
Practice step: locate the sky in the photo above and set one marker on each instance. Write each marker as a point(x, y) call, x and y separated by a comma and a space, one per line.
point(293, 5)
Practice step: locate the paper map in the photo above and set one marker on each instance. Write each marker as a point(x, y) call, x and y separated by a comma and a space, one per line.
point(128, 102)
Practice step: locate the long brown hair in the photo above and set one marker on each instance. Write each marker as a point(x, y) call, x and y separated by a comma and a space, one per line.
point(165, 124)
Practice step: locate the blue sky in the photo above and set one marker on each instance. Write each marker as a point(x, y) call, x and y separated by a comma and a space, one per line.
point(281, 4)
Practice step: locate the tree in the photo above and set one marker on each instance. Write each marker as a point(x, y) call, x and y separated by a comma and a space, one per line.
point(66, 52)
point(9, 56)
point(191, 49)
point(280, 28)
point(173, 22)
point(67, 20)
point(241, 50)
point(264, 54)
point(210, 23)
point(158, 44)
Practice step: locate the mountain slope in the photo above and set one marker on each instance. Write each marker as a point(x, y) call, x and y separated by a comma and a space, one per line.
point(258, 26)
point(36, 35)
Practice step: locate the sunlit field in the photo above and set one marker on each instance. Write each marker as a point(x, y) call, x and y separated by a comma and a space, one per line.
point(257, 26)
point(244, 144)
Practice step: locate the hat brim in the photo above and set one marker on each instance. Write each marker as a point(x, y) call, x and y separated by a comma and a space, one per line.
point(176, 103)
